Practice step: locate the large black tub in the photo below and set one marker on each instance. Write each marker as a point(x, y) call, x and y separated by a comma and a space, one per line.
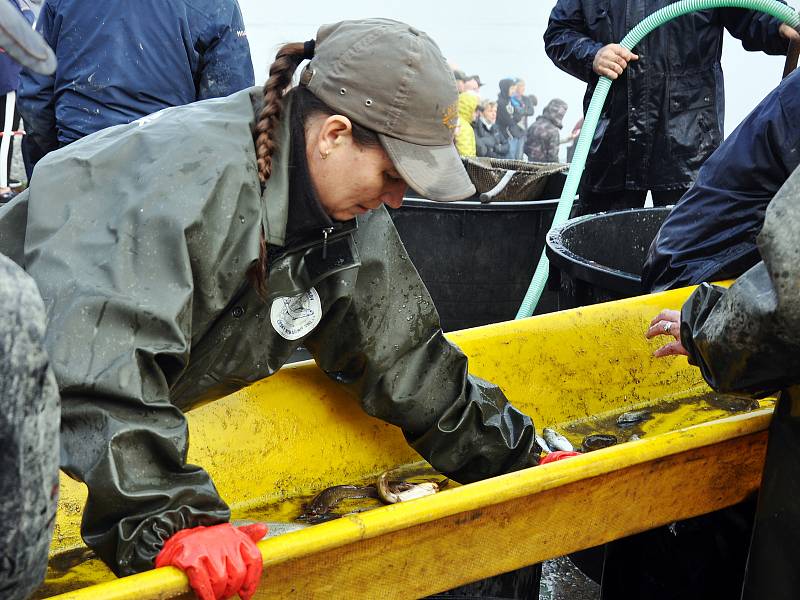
point(476, 259)
point(598, 258)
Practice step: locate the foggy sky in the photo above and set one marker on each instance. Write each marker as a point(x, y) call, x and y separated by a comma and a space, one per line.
point(492, 39)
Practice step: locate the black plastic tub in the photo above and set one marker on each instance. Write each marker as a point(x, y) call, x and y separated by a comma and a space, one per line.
point(598, 258)
point(476, 259)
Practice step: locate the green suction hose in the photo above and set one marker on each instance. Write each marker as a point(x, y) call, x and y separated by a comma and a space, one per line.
point(658, 18)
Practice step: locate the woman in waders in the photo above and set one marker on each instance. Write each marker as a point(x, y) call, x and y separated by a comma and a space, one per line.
point(186, 255)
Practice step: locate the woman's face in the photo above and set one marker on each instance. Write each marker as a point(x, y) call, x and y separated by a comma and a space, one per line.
point(351, 180)
point(490, 113)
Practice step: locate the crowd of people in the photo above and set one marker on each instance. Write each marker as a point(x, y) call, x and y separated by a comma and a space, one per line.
point(505, 128)
point(124, 310)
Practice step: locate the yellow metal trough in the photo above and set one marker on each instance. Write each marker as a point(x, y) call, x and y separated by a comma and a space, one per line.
point(297, 433)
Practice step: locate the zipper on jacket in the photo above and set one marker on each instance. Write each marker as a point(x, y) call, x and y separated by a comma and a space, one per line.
point(325, 233)
point(333, 233)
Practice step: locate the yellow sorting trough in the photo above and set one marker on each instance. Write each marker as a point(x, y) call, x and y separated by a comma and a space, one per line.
point(297, 433)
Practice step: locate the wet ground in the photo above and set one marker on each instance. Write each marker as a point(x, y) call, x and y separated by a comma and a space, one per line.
point(561, 580)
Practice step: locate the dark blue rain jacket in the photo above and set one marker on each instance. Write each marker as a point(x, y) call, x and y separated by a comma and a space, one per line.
point(711, 233)
point(119, 60)
point(664, 115)
point(9, 68)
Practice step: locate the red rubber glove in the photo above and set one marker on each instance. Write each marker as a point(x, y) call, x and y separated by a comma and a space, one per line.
point(219, 561)
point(557, 455)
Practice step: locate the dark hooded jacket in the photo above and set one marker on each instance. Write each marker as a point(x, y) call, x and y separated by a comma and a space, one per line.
point(544, 136)
point(144, 274)
point(509, 115)
point(119, 60)
point(711, 233)
point(490, 142)
point(664, 114)
point(9, 68)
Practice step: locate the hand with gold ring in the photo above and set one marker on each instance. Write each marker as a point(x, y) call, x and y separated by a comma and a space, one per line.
point(667, 322)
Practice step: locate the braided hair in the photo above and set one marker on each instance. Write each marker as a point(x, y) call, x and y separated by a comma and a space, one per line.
point(277, 90)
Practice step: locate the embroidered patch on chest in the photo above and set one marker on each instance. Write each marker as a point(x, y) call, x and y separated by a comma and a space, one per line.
point(295, 316)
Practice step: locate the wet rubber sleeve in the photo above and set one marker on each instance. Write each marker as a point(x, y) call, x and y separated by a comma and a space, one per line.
point(132, 273)
point(120, 435)
point(567, 41)
point(384, 342)
point(747, 339)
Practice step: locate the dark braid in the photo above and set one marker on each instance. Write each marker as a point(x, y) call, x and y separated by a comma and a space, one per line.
point(304, 104)
point(281, 72)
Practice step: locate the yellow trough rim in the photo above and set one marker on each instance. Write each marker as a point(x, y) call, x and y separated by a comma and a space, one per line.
point(170, 582)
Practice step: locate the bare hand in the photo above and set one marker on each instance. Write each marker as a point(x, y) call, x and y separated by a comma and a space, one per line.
point(611, 60)
point(668, 322)
point(788, 33)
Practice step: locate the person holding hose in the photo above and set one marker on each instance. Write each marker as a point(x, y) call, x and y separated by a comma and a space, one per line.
point(666, 109)
point(188, 254)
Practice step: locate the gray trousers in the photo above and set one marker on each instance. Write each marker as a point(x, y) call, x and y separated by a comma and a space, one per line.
point(29, 447)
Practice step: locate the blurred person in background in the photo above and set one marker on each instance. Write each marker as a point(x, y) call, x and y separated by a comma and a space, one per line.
point(465, 135)
point(489, 140)
point(473, 83)
point(513, 109)
point(527, 102)
point(544, 136)
point(460, 78)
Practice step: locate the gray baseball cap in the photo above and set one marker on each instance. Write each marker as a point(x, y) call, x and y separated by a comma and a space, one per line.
point(392, 79)
point(22, 43)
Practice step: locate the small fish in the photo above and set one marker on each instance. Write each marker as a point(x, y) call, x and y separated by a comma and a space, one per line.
point(634, 416)
point(556, 441)
point(392, 492)
point(324, 502)
point(65, 561)
point(542, 444)
point(597, 441)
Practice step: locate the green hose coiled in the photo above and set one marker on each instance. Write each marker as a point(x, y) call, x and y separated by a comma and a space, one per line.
point(658, 18)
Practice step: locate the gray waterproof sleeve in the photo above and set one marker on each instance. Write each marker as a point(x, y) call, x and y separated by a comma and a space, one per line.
point(122, 268)
point(119, 336)
point(385, 343)
point(745, 339)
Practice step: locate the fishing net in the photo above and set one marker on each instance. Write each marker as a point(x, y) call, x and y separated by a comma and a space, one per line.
point(523, 180)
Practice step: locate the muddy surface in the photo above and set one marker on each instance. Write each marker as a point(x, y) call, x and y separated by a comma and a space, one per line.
point(561, 580)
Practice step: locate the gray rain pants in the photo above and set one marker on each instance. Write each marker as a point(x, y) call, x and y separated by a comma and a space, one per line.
point(29, 447)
